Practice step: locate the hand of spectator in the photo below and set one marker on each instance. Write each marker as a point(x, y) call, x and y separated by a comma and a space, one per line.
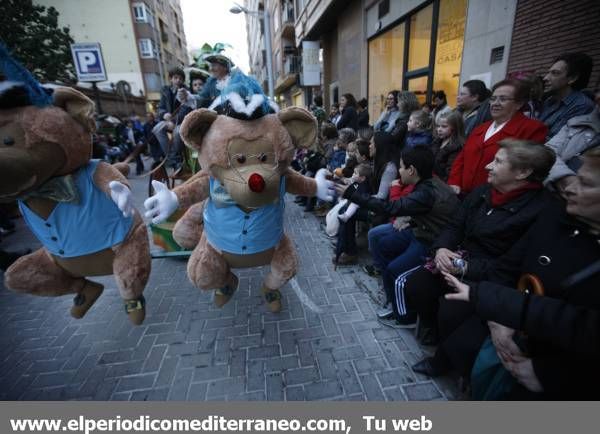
point(522, 370)
point(443, 260)
point(395, 183)
point(182, 95)
point(455, 189)
point(502, 337)
point(324, 186)
point(160, 206)
point(121, 195)
point(462, 289)
point(340, 188)
point(167, 117)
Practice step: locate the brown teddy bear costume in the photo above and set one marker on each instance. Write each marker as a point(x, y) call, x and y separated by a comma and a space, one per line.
point(79, 209)
point(246, 173)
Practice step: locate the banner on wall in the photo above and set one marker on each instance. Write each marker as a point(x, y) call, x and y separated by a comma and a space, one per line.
point(311, 67)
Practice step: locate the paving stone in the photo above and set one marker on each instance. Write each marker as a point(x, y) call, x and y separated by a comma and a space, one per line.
point(294, 393)
point(422, 392)
point(301, 375)
point(197, 392)
point(181, 384)
point(375, 364)
point(210, 373)
point(150, 395)
point(274, 385)
point(323, 389)
point(263, 352)
point(225, 386)
point(281, 363)
point(395, 377)
point(136, 382)
point(349, 379)
point(166, 371)
point(371, 387)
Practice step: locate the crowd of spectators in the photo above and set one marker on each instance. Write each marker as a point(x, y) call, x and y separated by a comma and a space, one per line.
point(484, 225)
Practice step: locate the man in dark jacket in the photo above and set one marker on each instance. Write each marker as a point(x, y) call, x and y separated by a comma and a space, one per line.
point(430, 206)
point(168, 94)
point(567, 76)
point(168, 113)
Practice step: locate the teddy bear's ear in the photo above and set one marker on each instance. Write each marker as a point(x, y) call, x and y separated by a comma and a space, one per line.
point(195, 125)
point(300, 124)
point(77, 105)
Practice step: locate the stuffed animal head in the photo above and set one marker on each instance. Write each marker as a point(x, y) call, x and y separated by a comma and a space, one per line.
point(42, 134)
point(249, 157)
point(38, 143)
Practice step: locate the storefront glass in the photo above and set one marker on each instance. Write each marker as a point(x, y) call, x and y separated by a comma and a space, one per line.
point(386, 57)
point(419, 42)
point(449, 47)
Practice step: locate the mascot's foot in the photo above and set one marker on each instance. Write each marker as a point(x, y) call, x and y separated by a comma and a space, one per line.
point(223, 295)
point(273, 299)
point(85, 299)
point(136, 310)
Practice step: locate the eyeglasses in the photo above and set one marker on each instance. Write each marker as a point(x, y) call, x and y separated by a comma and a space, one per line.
point(500, 99)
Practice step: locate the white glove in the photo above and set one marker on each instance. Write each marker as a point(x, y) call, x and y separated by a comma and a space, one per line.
point(160, 206)
point(344, 217)
point(324, 186)
point(121, 195)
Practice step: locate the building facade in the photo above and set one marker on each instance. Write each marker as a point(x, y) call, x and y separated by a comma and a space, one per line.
point(285, 53)
point(140, 40)
point(369, 47)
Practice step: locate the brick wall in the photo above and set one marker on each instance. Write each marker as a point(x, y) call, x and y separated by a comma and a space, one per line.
point(544, 29)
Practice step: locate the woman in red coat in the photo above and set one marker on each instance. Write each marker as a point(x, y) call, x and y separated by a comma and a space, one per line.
point(508, 96)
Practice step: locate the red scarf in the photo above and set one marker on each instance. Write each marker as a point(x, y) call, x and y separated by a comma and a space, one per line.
point(498, 198)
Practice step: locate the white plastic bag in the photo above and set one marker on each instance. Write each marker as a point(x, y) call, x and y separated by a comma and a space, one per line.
point(331, 219)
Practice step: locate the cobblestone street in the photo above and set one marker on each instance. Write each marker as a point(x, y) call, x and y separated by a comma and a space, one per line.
point(330, 347)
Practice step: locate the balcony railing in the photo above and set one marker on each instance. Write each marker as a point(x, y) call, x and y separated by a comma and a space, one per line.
point(292, 65)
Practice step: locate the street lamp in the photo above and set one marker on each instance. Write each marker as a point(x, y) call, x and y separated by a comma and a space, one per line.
point(237, 9)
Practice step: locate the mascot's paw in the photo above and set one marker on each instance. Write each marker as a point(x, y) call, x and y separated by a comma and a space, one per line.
point(273, 299)
point(86, 298)
point(136, 310)
point(121, 195)
point(223, 295)
point(160, 206)
point(324, 186)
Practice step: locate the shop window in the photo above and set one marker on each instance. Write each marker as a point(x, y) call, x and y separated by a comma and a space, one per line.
point(419, 41)
point(386, 58)
point(449, 47)
point(418, 85)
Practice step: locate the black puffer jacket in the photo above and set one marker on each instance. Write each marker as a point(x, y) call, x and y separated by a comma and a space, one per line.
point(486, 232)
point(431, 205)
point(554, 249)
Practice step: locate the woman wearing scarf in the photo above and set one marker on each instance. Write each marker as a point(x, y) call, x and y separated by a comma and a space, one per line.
point(562, 249)
point(490, 221)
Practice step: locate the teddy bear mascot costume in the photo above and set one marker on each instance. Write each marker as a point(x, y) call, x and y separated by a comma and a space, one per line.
point(245, 148)
point(81, 210)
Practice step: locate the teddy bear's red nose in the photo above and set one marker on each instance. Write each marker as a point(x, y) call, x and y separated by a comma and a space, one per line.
point(256, 183)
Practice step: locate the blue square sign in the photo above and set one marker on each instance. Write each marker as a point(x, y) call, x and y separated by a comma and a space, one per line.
point(88, 62)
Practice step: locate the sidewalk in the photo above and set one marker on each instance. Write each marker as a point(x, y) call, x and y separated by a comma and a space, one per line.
point(328, 346)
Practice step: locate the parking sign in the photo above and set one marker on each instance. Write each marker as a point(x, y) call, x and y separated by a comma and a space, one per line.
point(88, 61)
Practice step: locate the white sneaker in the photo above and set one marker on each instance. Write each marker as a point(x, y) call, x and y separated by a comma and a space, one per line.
point(385, 311)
